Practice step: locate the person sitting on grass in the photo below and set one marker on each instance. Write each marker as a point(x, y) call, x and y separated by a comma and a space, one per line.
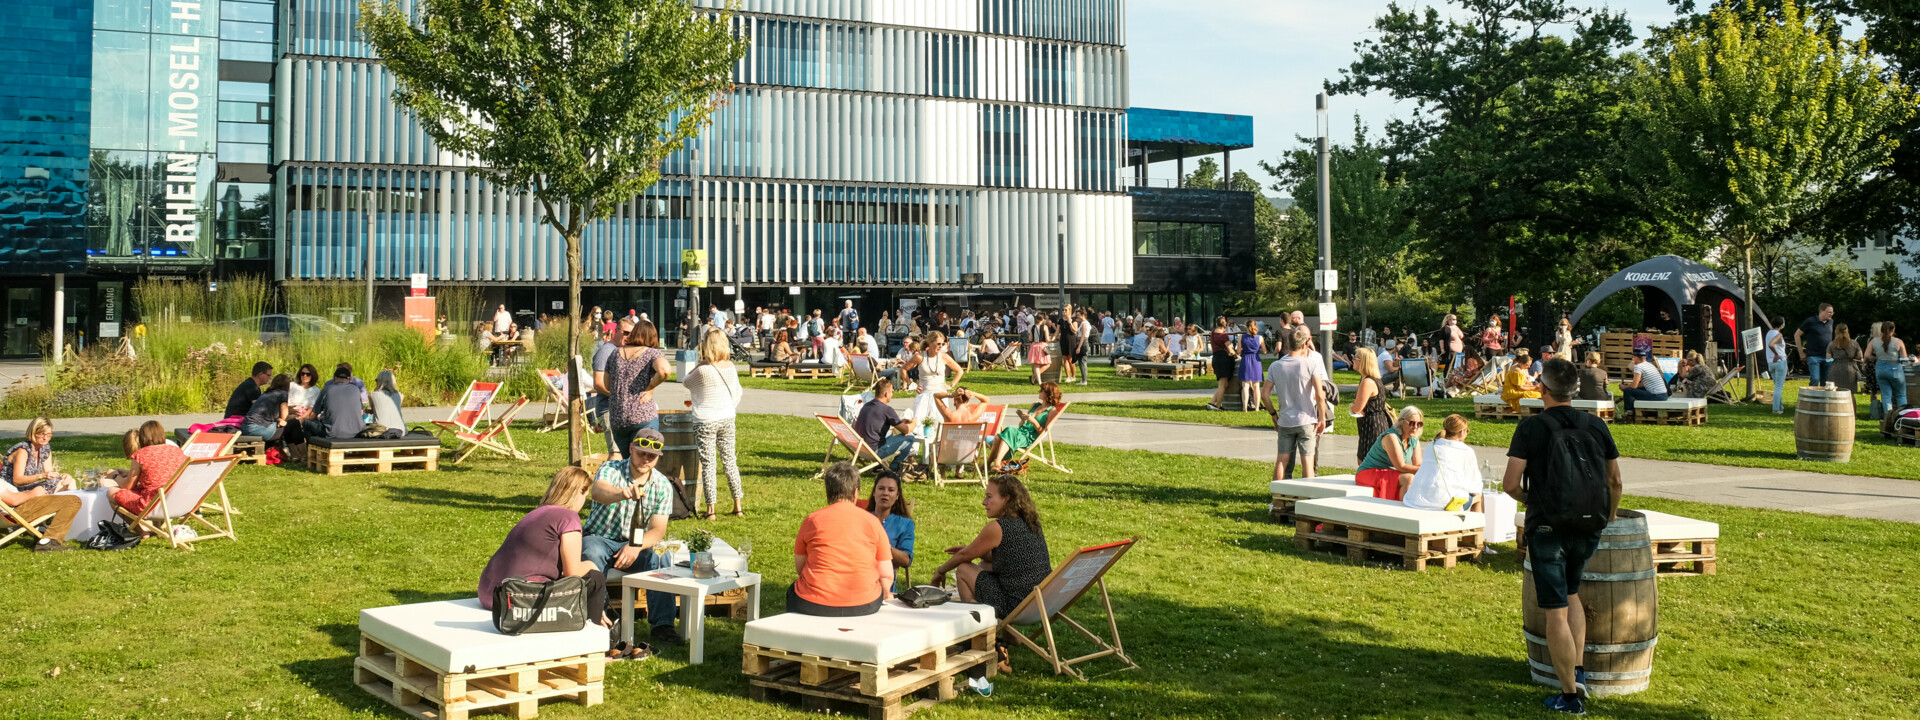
point(1007, 560)
point(1450, 479)
point(632, 502)
point(545, 546)
point(1025, 433)
point(149, 468)
point(35, 502)
point(29, 463)
point(877, 418)
point(841, 556)
point(1517, 383)
point(889, 505)
point(1390, 466)
point(1646, 383)
point(249, 390)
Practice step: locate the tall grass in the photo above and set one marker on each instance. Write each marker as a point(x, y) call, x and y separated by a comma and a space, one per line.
point(462, 304)
point(165, 302)
point(321, 298)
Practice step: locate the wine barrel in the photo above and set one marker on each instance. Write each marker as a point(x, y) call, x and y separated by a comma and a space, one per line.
point(1622, 608)
point(1823, 423)
point(680, 459)
point(1052, 373)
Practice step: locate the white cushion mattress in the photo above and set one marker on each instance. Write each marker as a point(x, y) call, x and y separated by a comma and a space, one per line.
point(1674, 404)
point(1593, 404)
point(894, 633)
point(1307, 488)
point(1661, 526)
point(1532, 402)
point(1389, 515)
point(1492, 399)
point(452, 635)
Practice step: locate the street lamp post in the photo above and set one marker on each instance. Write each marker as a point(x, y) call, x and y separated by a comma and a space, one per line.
point(1326, 228)
point(1061, 221)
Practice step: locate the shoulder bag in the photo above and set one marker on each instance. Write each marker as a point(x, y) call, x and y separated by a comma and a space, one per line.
point(525, 606)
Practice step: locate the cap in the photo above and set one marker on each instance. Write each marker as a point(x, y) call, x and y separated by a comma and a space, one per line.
point(648, 440)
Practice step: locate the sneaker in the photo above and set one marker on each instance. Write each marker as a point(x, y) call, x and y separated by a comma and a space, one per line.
point(1580, 680)
point(666, 636)
point(1490, 551)
point(1211, 406)
point(1569, 704)
point(981, 685)
point(50, 545)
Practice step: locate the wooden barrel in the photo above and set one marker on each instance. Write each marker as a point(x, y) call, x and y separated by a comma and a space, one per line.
point(1823, 423)
point(1052, 373)
point(1622, 608)
point(680, 460)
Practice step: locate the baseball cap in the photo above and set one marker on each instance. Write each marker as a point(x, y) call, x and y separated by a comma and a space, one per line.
point(649, 441)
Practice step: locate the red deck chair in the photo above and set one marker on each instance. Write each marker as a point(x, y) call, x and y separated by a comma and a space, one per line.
point(471, 411)
point(1050, 600)
point(185, 497)
point(961, 445)
point(497, 438)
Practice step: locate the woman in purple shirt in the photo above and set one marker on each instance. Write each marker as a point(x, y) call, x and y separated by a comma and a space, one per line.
point(545, 545)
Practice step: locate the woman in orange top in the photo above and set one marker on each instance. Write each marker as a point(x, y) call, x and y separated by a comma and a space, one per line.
point(150, 469)
point(842, 557)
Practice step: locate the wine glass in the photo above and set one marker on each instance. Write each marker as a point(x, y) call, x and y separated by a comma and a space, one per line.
point(746, 553)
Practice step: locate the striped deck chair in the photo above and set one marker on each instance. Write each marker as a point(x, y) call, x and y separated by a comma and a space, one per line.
point(1009, 358)
point(1044, 443)
point(862, 371)
point(471, 411)
point(1050, 600)
point(844, 436)
point(497, 438)
point(187, 496)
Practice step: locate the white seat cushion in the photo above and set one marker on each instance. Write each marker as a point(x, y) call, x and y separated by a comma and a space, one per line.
point(896, 632)
point(1308, 488)
point(452, 635)
point(1661, 526)
point(1389, 515)
point(1593, 404)
point(1532, 402)
point(1490, 399)
point(1674, 404)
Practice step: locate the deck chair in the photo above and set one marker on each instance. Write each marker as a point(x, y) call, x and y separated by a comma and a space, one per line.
point(1720, 393)
point(1009, 358)
point(960, 445)
point(1415, 377)
point(1044, 443)
point(962, 353)
point(862, 371)
point(844, 436)
point(553, 410)
point(497, 438)
point(203, 444)
point(188, 495)
point(1050, 600)
point(10, 517)
point(471, 411)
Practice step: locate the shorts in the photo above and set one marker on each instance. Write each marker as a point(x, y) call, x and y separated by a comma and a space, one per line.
point(1558, 561)
point(1298, 440)
point(1225, 367)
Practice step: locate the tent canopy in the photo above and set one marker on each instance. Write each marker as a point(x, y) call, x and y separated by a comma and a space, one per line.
point(1681, 282)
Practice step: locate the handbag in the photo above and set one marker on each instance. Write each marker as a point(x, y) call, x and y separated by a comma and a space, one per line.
point(113, 536)
point(521, 605)
point(924, 596)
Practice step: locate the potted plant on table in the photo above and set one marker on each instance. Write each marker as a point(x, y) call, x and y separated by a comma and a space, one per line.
point(700, 555)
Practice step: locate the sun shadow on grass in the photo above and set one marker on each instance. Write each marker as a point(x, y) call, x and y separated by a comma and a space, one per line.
point(519, 504)
point(333, 677)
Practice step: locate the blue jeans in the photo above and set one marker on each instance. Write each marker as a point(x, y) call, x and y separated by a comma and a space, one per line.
point(1631, 394)
point(620, 439)
point(268, 433)
point(1816, 371)
point(896, 443)
point(1778, 371)
point(600, 550)
point(1893, 384)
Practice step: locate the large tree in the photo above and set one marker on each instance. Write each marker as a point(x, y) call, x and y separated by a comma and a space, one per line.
point(1755, 120)
point(1370, 213)
point(574, 101)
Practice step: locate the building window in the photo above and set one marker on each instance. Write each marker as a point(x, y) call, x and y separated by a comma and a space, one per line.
point(1179, 239)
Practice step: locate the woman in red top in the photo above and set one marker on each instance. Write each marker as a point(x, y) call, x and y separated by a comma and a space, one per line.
point(150, 469)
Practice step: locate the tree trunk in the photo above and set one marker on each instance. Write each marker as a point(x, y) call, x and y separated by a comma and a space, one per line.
point(575, 393)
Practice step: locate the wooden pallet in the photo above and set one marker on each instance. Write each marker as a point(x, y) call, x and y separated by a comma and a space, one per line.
point(1687, 417)
point(1685, 557)
point(766, 371)
point(430, 693)
point(890, 691)
point(1497, 411)
point(1155, 371)
point(1605, 414)
point(339, 461)
point(1906, 435)
point(809, 372)
point(254, 453)
point(1413, 551)
point(1281, 511)
point(1618, 347)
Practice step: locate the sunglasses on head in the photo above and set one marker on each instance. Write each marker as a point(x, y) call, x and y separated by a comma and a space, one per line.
point(649, 443)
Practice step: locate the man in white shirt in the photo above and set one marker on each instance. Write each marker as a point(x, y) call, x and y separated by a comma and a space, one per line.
point(1176, 342)
point(1452, 473)
point(1295, 381)
point(868, 345)
point(830, 345)
point(501, 320)
point(1777, 365)
point(766, 321)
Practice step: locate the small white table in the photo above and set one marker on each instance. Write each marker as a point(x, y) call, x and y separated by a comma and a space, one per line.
point(94, 508)
point(693, 594)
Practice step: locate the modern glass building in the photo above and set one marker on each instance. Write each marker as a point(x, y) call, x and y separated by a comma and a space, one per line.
point(874, 149)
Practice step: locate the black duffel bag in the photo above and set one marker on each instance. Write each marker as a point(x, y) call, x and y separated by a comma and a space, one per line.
point(525, 606)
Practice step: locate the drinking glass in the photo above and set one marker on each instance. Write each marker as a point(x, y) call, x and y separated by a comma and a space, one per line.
point(746, 553)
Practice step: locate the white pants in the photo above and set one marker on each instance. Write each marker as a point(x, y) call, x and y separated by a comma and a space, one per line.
point(717, 435)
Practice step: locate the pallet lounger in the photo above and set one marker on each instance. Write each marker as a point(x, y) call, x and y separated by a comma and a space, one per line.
point(766, 369)
point(1602, 409)
point(1676, 411)
point(409, 655)
point(881, 661)
point(416, 451)
point(1369, 524)
point(1288, 492)
point(252, 449)
point(1160, 371)
point(1493, 407)
point(1530, 407)
point(811, 371)
point(1906, 432)
point(1681, 546)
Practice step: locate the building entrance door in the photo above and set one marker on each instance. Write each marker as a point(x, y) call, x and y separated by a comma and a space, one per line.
point(25, 318)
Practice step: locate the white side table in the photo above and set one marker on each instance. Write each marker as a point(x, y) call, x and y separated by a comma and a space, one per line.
point(693, 594)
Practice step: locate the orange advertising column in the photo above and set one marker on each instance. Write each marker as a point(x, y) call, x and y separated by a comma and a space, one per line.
point(420, 316)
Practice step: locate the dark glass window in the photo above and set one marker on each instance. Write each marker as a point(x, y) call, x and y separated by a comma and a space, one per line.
point(1174, 238)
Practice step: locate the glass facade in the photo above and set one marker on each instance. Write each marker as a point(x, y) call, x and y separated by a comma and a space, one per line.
point(43, 138)
point(1179, 238)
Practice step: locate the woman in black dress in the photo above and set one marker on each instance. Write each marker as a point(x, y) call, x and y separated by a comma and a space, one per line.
point(1011, 552)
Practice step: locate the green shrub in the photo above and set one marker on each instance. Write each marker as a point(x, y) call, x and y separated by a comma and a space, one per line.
point(25, 401)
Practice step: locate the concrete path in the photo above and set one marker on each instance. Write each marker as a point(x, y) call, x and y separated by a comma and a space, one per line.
point(1864, 497)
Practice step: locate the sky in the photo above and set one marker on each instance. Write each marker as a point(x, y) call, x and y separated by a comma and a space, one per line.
point(1267, 59)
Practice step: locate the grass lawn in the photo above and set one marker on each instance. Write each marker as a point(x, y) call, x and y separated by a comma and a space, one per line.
point(1810, 616)
point(1007, 384)
point(1747, 435)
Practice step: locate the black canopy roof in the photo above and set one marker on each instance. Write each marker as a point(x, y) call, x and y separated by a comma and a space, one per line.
point(1681, 281)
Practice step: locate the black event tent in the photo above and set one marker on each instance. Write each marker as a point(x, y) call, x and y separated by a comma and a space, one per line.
point(1678, 285)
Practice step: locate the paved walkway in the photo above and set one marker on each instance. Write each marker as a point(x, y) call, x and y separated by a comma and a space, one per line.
point(1864, 497)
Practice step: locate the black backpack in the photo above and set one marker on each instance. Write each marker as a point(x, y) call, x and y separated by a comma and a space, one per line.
point(1572, 496)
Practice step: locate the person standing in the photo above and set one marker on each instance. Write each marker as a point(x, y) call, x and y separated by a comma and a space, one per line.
point(1299, 393)
point(1069, 346)
point(1777, 365)
point(1083, 334)
point(1251, 345)
point(1038, 357)
point(1813, 337)
point(1564, 465)
point(935, 363)
point(1369, 406)
point(715, 387)
point(1887, 352)
point(1226, 361)
point(632, 373)
point(1452, 341)
point(1648, 384)
point(1844, 373)
point(1491, 339)
point(849, 319)
point(501, 320)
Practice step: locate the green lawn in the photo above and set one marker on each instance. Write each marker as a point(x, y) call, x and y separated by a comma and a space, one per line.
point(1004, 383)
point(1748, 435)
point(1810, 616)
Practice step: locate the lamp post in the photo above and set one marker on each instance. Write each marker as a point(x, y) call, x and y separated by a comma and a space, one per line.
point(1061, 221)
point(1326, 229)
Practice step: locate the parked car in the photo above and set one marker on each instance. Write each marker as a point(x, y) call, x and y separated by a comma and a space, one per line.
point(277, 327)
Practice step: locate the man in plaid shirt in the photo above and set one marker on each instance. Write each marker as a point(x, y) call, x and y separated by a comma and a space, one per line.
point(631, 504)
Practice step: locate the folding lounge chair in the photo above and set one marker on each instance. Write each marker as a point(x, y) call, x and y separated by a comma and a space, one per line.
point(471, 411)
point(962, 353)
point(553, 410)
point(1050, 600)
point(186, 495)
point(9, 517)
point(497, 438)
point(959, 445)
point(205, 444)
point(1044, 443)
point(862, 371)
point(844, 436)
point(1009, 358)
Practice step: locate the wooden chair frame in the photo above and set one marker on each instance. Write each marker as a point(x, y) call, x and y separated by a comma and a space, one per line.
point(1036, 600)
point(1044, 443)
point(856, 378)
point(455, 424)
point(501, 428)
point(159, 518)
point(860, 449)
point(982, 435)
point(1009, 358)
point(25, 526)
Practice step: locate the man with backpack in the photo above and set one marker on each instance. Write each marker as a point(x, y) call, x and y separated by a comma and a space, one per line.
point(1564, 465)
